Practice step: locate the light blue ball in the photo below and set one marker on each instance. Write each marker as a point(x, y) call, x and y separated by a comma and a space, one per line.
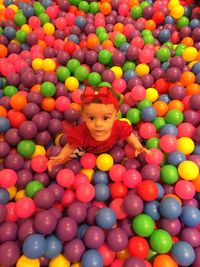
point(9, 32)
point(74, 38)
point(92, 258)
point(100, 177)
point(169, 129)
point(80, 22)
point(102, 192)
point(148, 113)
point(81, 230)
point(190, 216)
point(164, 35)
point(53, 247)
point(170, 208)
point(129, 74)
point(151, 209)
point(161, 191)
point(106, 218)
point(196, 150)
point(165, 97)
point(183, 253)
point(34, 246)
point(169, 20)
point(4, 196)
point(4, 124)
point(175, 158)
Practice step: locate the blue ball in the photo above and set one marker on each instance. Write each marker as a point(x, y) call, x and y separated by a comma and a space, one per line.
point(80, 22)
point(34, 246)
point(194, 23)
point(165, 65)
point(9, 32)
point(190, 216)
point(165, 97)
point(188, 11)
point(4, 196)
point(124, 47)
point(169, 129)
point(47, 3)
point(100, 177)
point(81, 230)
point(28, 11)
point(106, 218)
point(151, 209)
point(196, 68)
point(53, 247)
point(169, 20)
point(4, 124)
point(102, 192)
point(183, 253)
point(175, 158)
point(74, 38)
point(161, 191)
point(164, 35)
point(8, 2)
point(148, 113)
point(92, 258)
point(196, 150)
point(129, 74)
point(170, 208)
point(198, 78)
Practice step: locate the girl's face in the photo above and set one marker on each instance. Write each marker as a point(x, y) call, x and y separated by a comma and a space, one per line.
point(99, 119)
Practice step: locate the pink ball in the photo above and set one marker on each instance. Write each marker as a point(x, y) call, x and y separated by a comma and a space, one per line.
point(107, 254)
point(117, 263)
point(25, 207)
point(39, 163)
point(70, 18)
point(68, 198)
point(76, 96)
point(116, 172)
point(8, 178)
point(138, 92)
point(34, 22)
point(88, 161)
point(186, 129)
point(59, 44)
point(128, 28)
point(185, 189)
point(146, 55)
point(137, 41)
point(61, 23)
point(117, 206)
point(11, 215)
point(80, 178)
point(129, 151)
point(123, 9)
point(147, 130)
point(99, 22)
point(52, 11)
point(132, 178)
point(7, 69)
point(62, 103)
point(168, 143)
point(49, 40)
point(156, 156)
point(85, 192)
point(65, 177)
point(119, 85)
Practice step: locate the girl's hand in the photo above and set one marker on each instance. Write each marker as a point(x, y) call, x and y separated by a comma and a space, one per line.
point(55, 161)
point(141, 150)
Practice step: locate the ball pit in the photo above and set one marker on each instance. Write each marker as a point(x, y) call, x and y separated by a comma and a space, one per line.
point(111, 209)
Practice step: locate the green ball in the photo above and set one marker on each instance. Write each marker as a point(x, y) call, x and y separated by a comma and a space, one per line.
point(144, 103)
point(153, 143)
point(72, 64)
point(19, 19)
point(183, 21)
point(48, 89)
point(161, 241)
point(179, 50)
point(143, 225)
point(32, 188)
point(163, 54)
point(107, 84)
point(136, 12)
point(84, 6)
point(169, 44)
point(148, 39)
point(151, 255)
point(10, 90)
point(119, 39)
point(102, 36)
point(174, 116)
point(133, 115)
point(169, 174)
point(144, 4)
point(38, 8)
point(1, 30)
point(159, 122)
point(74, 2)
point(26, 148)
point(128, 65)
point(94, 7)
point(94, 78)
point(62, 73)
point(81, 73)
point(104, 56)
point(44, 18)
point(99, 30)
point(21, 36)
point(146, 32)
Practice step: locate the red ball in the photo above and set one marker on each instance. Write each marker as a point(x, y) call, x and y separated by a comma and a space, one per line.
point(118, 190)
point(69, 47)
point(16, 118)
point(161, 85)
point(138, 247)
point(148, 190)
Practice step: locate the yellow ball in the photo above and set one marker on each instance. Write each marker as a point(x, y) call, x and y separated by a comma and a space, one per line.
point(177, 11)
point(142, 69)
point(173, 3)
point(123, 254)
point(23, 261)
point(48, 64)
point(104, 162)
point(26, 28)
point(151, 94)
point(13, 7)
point(39, 150)
point(12, 191)
point(190, 53)
point(71, 83)
point(48, 28)
point(77, 264)
point(185, 145)
point(188, 170)
point(88, 172)
point(37, 64)
point(59, 261)
point(20, 194)
point(126, 120)
point(117, 71)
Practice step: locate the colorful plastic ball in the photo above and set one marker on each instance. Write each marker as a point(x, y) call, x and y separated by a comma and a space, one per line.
point(59, 260)
point(39, 163)
point(71, 83)
point(163, 54)
point(188, 170)
point(48, 89)
point(170, 208)
point(25, 207)
point(146, 222)
point(169, 174)
point(102, 192)
point(26, 148)
point(4, 196)
point(185, 189)
point(88, 161)
point(175, 158)
point(190, 216)
point(53, 247)
point(85, 192)
point(34, 246)
point(148, 114)
point(94, 237)
point(138, 247)
point(191, 235)
point(138, 93)
point(151, 208)
point(65, 177)
point(161, 241)
point(183, 253)
point(8, 178)
point(73, 250)
point(174, 116)
point(147, 130)
point(134, 261)
point(77, 211)
point(156, 156)
point(131, 178)
point(133, 204)
point(66, 229)
point(104, 162)
point(106, 218)
point(92, 258)
point(164, 259)
point(100, 177)
point(169, 129)
point(9, 253)
point(133, 115)
point(190, 54)
point(81, 73)
point(4, 124)
point(32, 187)
point(147, 190)
point(25, 261)
point(44, 198)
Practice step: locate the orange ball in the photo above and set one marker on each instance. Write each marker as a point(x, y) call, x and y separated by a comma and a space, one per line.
point(188, 41)
point(176, 104)
point(105, 8)
point(150, 25)
point(42, 44)
point(161, 107)
point(187, 78)
point(118, 27)
point(36, 88)
point(3, 50)
point(107, 43)
point(48, 104)
point(193, 88)
point(3, 111)
point(196, 183)
point(92, 41)
point(75, 106)
point(132, 3)
point(18, 101)
point(164, 261)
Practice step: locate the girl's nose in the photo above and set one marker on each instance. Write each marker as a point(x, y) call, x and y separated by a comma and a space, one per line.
point(98, 122)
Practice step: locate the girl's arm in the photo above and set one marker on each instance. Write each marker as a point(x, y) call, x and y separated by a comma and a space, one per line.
point(133, 141)
point(61, 158)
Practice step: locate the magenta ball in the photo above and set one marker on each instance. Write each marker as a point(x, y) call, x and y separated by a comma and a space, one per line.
point(57, 190)
point(134, 262)
point(12, 136)
point(30, 110)
point(4, 149)
point(8, 231)
point(44, 198)
point(9, 253)
point(133, 204)
point(14, 161)
point(74, 249)
point(27, 129)
point(26, 228)
point(94, 237)
point(77, 211)
point(49, 222)
point(41, 120)
point(195, 101)
point(3, 213)
point(191, 235)
point(66, 229)
point(150, 172)
point(197, 257)
point(74, 165)
point(88, 161)
point(172, 226)
point(117, 239)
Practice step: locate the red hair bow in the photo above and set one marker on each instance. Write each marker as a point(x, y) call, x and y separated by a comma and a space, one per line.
point(104, 95)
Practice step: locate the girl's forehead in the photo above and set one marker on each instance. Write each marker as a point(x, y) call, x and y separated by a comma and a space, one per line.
point(98, 108)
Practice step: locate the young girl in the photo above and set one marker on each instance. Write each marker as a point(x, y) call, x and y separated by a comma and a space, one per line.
point(100, 129)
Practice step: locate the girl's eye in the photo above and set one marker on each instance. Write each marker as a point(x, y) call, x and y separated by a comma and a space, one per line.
point(106, 118)
point(91, 118)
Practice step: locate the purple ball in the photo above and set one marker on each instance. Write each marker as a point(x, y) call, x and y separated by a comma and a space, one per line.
point(147, 80)
point(66, 229)
point(8, 231)
point(108, 76)
point(134, 82)
point(13, 48)
point(57, 190)
point(62, 57)
point(25, 229)
point(89, 28)
point(27, 129)
point(196, 135)
point(4, 149)
point(30, 110)
point(9, 253)
point(118, 58)
point(126, 225)
point(28, 79)
point(172, 226)
point(74, 30)
point(14, 161)
point(49, 222)
point(91, 57)
point(191, 235)
point(117, 154)
point(91, 214)
point(5, 102)
point(155, 63)
point(73, 250)
point(63, 4)
point(71, 115)
point(133, 204)
point(124, 108)
point(13, 79)
point(34, 97)
point(147, 12)
point(117, 239)
point(41, 120)
point(177, 62)
point(134, 262)
point(98, 67)
point(50, 52)
point(177, 91)
point(150, 172)
point(59, 34)
point(42, 177)
point(132, 53)
point(192, 202)
point(50, 77)
point(42, 138)
point(54, 126)
point(3, 213)
point(192, 117)
point(23, 178)
point(44, 198)
point(73, 165)
point(195, 101)
point(31, 39)
point(60, 90)
point(56, 114)
point(12, 136)
point(94, 237)
point(77, 211)
point(79, 55)
point(195, 158)
point(132, 164)
point(173, 74)
point(110, 19)
point(158, 73)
